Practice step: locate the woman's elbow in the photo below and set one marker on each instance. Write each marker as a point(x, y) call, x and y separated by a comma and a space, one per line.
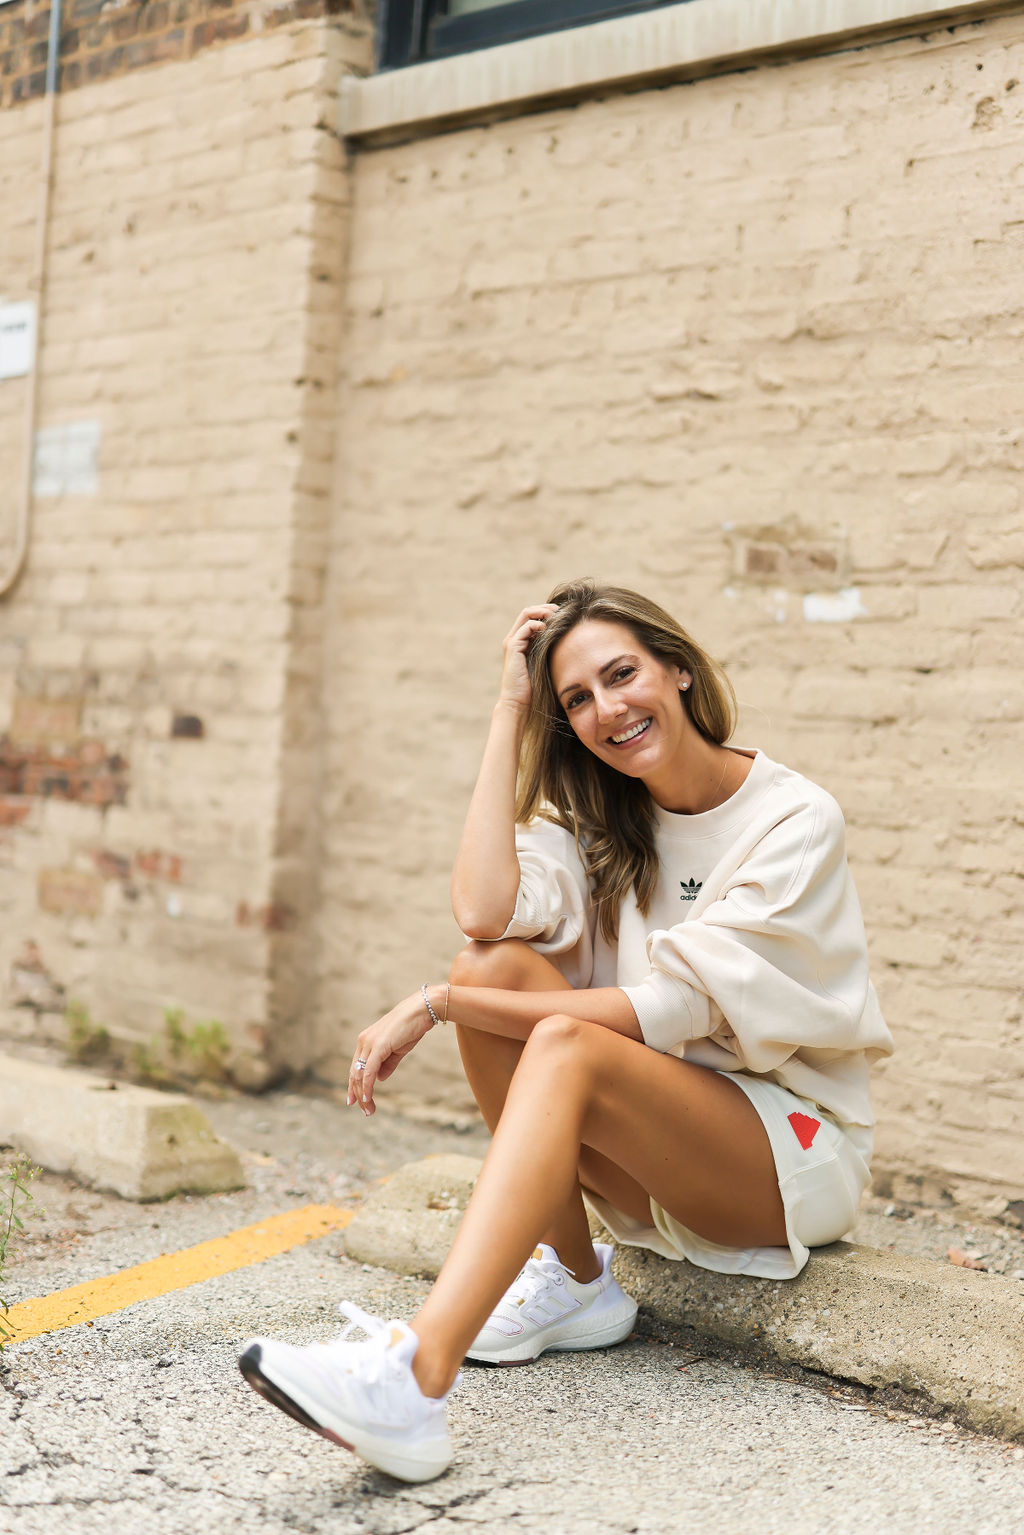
point(480, 925)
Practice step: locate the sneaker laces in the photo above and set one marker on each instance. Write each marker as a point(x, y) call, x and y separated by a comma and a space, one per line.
point(380, 1357)
point(376, 1358)
point(533, 1278)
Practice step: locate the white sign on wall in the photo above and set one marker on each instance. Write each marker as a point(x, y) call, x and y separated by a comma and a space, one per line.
point(17, 337)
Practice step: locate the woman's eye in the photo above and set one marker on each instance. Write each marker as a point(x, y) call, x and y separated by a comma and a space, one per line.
point(577, 698)
point(624, 672)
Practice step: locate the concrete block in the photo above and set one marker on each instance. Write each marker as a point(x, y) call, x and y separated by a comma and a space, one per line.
point(409, 1225)
point(953, 1336)
point(140, 1143)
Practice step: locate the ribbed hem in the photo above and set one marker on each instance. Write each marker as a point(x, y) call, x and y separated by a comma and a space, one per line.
point(663, 1010)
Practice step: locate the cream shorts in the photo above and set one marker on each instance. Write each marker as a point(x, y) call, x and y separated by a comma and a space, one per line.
point(823, 1169)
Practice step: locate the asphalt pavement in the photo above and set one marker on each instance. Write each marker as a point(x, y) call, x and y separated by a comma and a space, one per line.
point(142, 1422)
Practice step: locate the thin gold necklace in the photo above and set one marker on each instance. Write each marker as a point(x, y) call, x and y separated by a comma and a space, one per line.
point(721, 781)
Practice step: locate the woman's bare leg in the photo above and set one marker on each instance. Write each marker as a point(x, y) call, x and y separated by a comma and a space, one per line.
point(490, 1062)
point(674, 1132)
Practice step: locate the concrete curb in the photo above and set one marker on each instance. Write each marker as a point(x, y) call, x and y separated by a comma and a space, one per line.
point(951, 1335)
point(140, 1143)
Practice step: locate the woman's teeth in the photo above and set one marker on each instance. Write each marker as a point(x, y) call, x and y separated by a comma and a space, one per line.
point(627, 735)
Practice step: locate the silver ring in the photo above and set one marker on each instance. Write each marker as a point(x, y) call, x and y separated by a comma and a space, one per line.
point(360, 1065)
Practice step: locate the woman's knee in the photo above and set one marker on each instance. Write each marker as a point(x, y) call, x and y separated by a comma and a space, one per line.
point(498, 964)
point(559, 1035)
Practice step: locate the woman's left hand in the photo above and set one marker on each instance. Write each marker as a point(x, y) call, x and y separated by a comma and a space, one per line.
point(384, 1045)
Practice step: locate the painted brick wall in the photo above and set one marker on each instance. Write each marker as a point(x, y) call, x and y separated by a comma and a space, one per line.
point(160, 657)
point(752, 345)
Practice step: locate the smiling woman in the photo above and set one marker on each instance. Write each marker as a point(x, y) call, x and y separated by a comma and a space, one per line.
point(664, 1013)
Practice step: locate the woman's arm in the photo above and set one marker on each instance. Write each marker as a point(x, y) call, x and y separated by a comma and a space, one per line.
point(514, 1013)
point(485, 879)
point(385, 1044)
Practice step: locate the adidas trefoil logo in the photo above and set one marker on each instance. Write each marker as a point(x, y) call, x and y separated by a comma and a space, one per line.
point(690, 889)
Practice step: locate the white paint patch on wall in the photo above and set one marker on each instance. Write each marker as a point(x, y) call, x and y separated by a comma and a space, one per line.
point(67, 459)
point(834, 607)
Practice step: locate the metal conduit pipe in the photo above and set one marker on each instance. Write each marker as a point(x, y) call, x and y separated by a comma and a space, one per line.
point(9, 578)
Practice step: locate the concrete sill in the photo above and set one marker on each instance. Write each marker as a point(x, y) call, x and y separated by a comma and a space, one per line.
point(677, 43)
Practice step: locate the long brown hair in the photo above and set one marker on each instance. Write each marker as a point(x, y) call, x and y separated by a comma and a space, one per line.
point(610, 814)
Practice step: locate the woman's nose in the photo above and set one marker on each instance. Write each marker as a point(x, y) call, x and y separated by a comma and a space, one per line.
point(608, 706)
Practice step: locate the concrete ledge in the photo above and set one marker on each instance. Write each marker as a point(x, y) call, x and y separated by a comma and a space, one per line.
point(675, 42)
point(140, 1143)
point(951, 1335)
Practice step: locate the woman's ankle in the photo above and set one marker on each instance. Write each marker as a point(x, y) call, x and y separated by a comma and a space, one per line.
point(582, 1263)
point(434, 1374)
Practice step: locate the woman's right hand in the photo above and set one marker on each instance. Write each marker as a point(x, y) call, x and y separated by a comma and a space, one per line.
point(516, 687)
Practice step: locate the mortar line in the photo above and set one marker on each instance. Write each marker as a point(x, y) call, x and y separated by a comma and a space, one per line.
point(171, 1271)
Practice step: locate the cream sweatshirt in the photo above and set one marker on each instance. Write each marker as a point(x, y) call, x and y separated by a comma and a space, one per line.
point(753, 955)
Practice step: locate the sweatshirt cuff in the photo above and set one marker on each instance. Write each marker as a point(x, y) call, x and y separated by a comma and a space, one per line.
point(526, 921)
point(663, 1010)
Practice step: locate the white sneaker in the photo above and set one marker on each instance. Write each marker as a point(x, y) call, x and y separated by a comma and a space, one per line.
point(547, 1308)
point(361, 1395)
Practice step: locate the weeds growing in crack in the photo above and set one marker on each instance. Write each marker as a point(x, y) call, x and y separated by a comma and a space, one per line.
point(15, 1199)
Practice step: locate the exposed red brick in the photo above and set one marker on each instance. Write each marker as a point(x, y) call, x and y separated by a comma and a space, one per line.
point(82, 773)
point(124, 27)
point(12, 813)
point(154, 18)
point(111, 865)
point(273, 918)
point(102, 65)
point(99, 41)
point(225, 30)
point(28, 87)
point(155, 50)
point(160, 865)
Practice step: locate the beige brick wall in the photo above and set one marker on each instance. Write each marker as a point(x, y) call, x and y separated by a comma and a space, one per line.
point(737, 343)
point(192, 308)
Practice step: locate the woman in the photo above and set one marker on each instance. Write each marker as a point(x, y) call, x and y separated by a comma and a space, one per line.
point(664, 1013)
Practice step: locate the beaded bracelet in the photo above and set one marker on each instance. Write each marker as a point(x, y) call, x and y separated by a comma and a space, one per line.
point(433, 1016)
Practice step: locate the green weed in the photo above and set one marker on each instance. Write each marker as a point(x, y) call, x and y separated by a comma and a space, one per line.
point(15, 1199)
point(87, 1040)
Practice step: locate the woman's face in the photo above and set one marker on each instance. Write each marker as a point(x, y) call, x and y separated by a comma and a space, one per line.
point(622, 702)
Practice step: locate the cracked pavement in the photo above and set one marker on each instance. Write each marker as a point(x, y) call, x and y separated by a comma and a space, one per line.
point(142, 1420)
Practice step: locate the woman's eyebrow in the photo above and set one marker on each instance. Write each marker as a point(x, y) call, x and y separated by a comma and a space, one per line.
point(600, 672)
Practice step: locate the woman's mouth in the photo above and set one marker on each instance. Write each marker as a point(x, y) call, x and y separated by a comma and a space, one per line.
point(625, 736)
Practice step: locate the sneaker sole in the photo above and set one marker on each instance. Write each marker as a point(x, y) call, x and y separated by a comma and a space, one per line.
point(615, 1329)
point(381, 1453)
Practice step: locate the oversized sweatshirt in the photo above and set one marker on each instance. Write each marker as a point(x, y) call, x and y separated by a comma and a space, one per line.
point(752, 956)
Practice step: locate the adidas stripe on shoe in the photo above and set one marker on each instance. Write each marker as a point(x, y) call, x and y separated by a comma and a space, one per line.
point(546, 1308)
point(360, 1394)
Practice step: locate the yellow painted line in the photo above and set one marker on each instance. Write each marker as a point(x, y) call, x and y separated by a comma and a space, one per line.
point(173, 1271)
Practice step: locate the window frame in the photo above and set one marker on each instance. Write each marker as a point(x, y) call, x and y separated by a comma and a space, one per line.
point(419, 32)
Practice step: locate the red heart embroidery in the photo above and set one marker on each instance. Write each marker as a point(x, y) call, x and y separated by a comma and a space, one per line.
point(804, 1128)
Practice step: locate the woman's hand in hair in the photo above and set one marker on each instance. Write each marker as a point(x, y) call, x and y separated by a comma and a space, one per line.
point(385, 1044)
point(516, 687)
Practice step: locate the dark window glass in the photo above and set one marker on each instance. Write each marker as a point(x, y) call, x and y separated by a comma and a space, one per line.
point(415, 30)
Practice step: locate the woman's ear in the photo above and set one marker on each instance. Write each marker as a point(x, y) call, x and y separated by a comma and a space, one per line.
point(685, 679)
